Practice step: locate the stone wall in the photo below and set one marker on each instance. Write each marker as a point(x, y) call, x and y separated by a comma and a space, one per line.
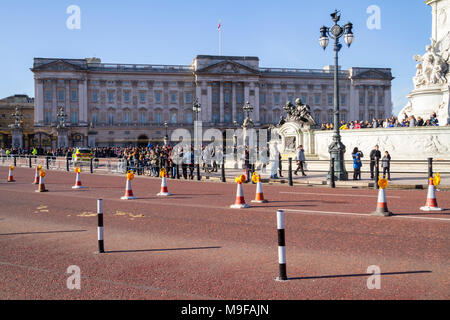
point(402, 143)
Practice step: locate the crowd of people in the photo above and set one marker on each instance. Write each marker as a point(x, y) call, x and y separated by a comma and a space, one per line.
point(392, 122)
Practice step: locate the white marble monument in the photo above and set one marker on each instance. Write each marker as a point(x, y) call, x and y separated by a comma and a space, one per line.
point(432, 79)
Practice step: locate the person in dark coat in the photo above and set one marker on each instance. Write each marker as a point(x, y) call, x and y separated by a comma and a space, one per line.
point(375, 155)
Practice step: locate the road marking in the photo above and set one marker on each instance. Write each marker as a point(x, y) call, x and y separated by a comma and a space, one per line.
point(362, 214)
point(338, 195)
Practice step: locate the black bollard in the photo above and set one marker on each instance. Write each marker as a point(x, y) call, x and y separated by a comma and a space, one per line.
point(15, 160)
point(377, 174)
point(430, 167)
point(101, 246)
point(198, 172)
point(67, 164)
point(47, 160)
point(332, 177)
point(281, 246)
point(291, 183)
point(92, 166)
point(223, 179)
point(178, 171)
point(29, 161)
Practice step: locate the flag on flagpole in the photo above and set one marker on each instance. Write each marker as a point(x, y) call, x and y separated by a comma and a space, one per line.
point(220, 37)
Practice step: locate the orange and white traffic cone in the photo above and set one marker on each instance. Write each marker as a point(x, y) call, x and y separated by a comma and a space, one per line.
point(128, 190)
point(78, 180)
point(41, 187)
point(10, 174)
point(36, 175)
point(382, 208)
point(240, 201)
point(259, 194)
point(431, 204)
point(164, 191)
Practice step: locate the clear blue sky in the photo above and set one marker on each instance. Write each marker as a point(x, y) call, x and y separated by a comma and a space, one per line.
point(281, 33)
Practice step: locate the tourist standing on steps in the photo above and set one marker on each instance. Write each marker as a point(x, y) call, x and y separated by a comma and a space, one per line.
point(375, 155)
point(357, 163)
point(386, 165)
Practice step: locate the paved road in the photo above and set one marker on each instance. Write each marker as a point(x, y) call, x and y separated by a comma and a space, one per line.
point(192, 246)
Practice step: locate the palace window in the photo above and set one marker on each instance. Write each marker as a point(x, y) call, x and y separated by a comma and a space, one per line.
point(330, 99)
point(188, 98)
point(142, 117)
point(158, 117)
point(95, 96)
point(343, 99)
point(189, 117)
point(158, 97)
point(126, 96)
point(74, 95)
point(239, 98)
point(126, 117)
point(48, 116)
point(142, 97)
point(74, 117)
point(95, 118)
point(61, 95)
point(111, 97)
point(48, 95)
point(214, 98)
point(111, 118)
point(317, 99)
point(227, 97)
point(262, 98)
point(276, 98)
point(173, 98)
point(173, 117)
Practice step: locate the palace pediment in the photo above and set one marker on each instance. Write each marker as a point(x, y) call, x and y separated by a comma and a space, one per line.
point(58, 65)
point(373, 74)
point(228, 67)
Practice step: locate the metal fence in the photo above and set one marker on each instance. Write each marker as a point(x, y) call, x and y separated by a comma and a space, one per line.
point(121, 166)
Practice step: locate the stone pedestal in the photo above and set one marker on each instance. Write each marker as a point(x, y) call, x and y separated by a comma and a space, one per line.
point(17, 138)
point(63, 139)
point(432, 80)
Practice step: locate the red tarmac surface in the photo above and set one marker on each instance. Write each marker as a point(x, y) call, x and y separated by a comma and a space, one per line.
point(192, 246)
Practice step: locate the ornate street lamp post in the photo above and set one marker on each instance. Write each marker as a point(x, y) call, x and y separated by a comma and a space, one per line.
point(197, 108)
point(337, 148)
point(17, 129)
point(166, 137)
point(61, 129)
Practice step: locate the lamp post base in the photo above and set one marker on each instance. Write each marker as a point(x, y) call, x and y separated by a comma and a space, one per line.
point(337, 152)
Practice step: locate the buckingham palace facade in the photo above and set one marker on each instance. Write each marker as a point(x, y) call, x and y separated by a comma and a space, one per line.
point(128, 104)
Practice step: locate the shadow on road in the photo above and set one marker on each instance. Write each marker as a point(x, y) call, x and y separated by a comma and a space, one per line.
point(154, 250)
point(359, 275)
point(40, 232)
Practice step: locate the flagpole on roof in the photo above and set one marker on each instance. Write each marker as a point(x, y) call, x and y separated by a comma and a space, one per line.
point(220, 37)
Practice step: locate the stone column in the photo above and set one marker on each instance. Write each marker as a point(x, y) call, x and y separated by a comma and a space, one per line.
point(256, 104)
point(82, 102)
point(221, 84)
point(54, 100)
point(246, 92)
point(233, 102)
point(208, 114)
point(39, 101)
point(387, 101)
